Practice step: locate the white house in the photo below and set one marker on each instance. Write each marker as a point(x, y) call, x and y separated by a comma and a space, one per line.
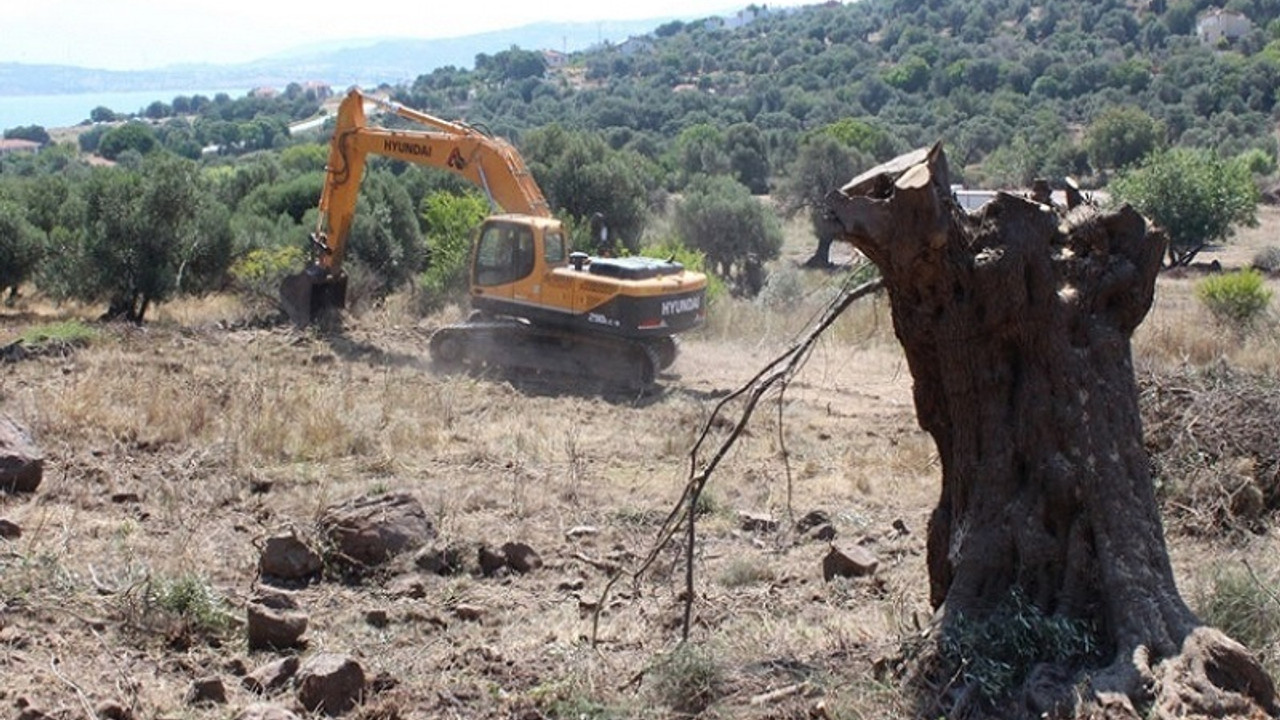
point(1215, 25)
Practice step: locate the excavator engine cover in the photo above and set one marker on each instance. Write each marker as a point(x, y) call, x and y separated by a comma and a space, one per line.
point(311, 293)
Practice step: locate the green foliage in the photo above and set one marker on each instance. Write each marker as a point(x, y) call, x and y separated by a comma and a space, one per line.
point(450, 221)
point(1197, 197)
point(68, 333)
point(1246, 606)
point(139, 234)
point(34, 133)
point(581, 176)
point(135, 136)
point(21, 247)
point(687, 680)
point(260, 271)
point(1236, 298)
point(385, 236)
point(994, 653)
point(191, 602)
point(719, 217)
point(1122, 136)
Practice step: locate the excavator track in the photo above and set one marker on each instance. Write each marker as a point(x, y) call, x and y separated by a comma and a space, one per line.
point(533, 352)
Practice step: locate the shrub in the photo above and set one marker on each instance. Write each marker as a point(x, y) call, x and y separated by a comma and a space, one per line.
point(1244, 605)
point(1267, 259)
point(260, 271)
point(1238, 298)
point(687, 680)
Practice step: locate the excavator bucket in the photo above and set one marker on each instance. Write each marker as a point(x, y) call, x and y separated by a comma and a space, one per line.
point(311, 293)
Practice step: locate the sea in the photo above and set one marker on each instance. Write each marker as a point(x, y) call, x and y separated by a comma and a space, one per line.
point(55, 111)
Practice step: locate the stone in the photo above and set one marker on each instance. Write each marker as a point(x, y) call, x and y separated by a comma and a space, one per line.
point(811, 520)
point(853, 561)
point(448, 559)
point(370, 530)
point(521, 557)
point(207, 691)
point(581, 531)
point(9, 530)
point(377, 618)
point(469, 613)
point(112, 710)
point(490, 562)
point(21, 462)
point(272, 676)
point(330, 683)
point(275, 622)
point(752, 522)
point(266, 711)
point(286, 557)
point(825, 533)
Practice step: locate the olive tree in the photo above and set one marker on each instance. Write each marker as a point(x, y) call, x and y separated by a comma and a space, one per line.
point(738, 234)
point(1197, 197)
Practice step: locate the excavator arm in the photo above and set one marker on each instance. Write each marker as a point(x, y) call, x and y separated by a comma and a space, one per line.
point(489, 163)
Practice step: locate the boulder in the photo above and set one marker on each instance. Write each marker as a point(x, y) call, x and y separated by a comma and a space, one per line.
point(372, 529)
point(21, 462)
point(275, 622)
point(521, 557)
point(272, 676)
point(756, 523)
point(330, 683)
point(207, 691)
point(9, 530)
point(852, 561)
point(286, 557)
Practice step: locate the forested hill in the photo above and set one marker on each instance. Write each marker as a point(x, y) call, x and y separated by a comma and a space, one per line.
point(1013, 86)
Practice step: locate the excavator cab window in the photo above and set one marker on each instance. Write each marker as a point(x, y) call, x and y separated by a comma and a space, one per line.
point(505, 254)
point(553, 253)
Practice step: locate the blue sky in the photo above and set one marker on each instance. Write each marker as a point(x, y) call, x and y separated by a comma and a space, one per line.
point(139, 34)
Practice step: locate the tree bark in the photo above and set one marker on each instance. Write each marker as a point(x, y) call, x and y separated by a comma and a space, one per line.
point(1016, 324)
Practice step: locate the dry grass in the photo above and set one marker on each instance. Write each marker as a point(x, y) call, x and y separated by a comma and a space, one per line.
point(175, 449)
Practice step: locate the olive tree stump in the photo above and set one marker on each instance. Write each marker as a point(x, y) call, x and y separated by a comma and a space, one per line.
point(1016, 323)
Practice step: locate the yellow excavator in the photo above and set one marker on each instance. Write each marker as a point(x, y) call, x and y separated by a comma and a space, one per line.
point(537, 307)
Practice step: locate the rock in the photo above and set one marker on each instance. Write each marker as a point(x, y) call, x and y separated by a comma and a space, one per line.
point(751, 522)
point(469, 613)
point(377, 618)
point(207, 690)
point(581, 531)
point(450, 559)
point(122, 498)
point(265, 711)
point(825, 533)
point(330, 683)
point(112, 710)
point(286, 557)
point(521, 557)
point(21, 462)
point(854, 561)
point(9, 530)
point(272, 676)
point(901, 527)
point(372, 529)
point(490, 562)
point(407, 586)
point(275, 622)
point(811, 520)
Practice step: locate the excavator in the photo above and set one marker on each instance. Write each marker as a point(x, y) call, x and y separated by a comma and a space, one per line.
point(537, 307)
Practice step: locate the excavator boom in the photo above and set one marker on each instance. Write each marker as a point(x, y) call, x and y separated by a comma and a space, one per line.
point(489, 163)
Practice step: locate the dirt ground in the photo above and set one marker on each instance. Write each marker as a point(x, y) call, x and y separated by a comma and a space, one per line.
point(173, 452)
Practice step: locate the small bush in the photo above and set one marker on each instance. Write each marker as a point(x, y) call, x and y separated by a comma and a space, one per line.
point(190, 603)
point(260, 271)
point(1246, 607)
point(687, 680)
point(1238, 298)
point(1267, 260)
point(71, 333)
point(994, 654)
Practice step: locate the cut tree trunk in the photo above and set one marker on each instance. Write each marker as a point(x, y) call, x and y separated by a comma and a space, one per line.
point(1016, 324)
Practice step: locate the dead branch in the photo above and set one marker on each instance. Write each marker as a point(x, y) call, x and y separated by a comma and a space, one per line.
point(778, 372)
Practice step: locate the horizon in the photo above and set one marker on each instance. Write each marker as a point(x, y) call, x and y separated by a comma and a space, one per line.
point(133, 35)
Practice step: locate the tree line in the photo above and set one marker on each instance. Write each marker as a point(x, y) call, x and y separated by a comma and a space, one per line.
point(697, 118)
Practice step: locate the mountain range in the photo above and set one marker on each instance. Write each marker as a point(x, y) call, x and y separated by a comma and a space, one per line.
point(341, 64)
